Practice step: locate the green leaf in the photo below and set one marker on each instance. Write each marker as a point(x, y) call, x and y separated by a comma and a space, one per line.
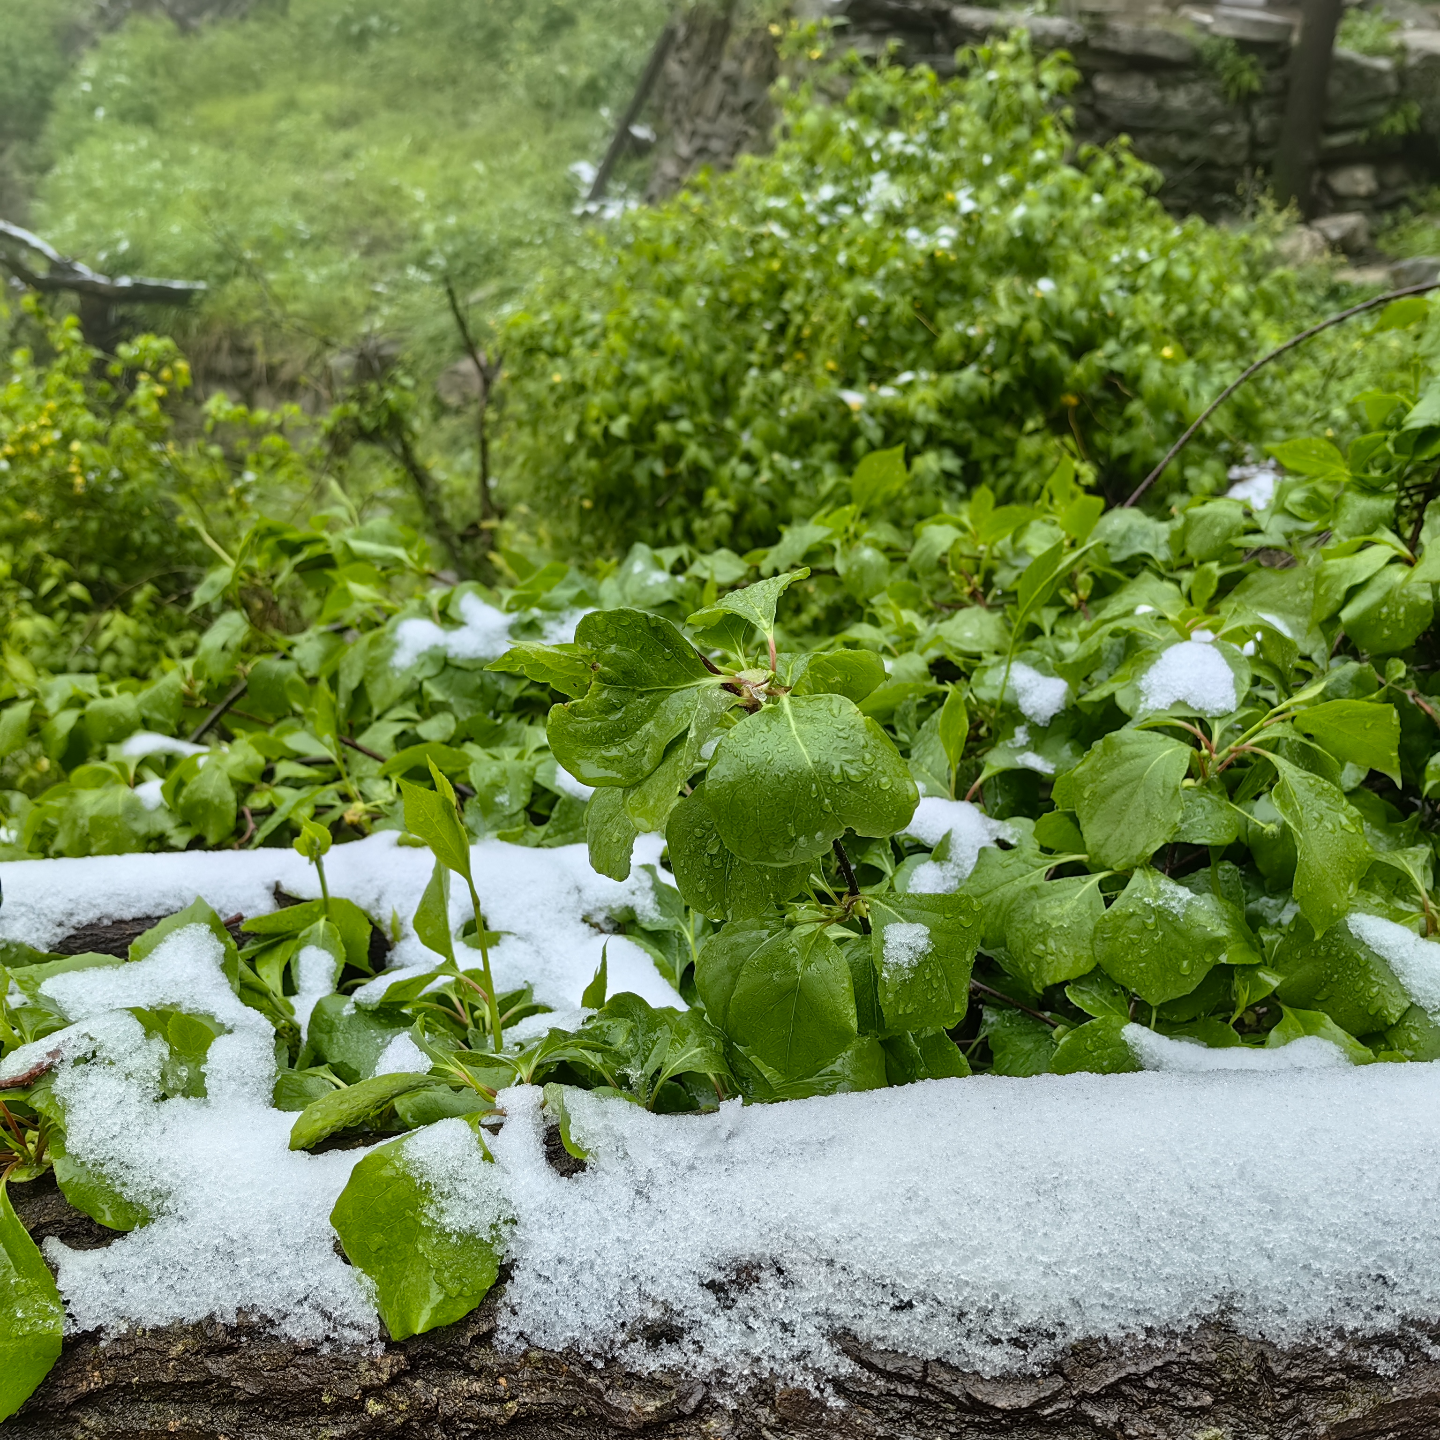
point(784, 995)
point(350, 1108)
point(32, 1317)
point(426, 1274)
point(610, 834)
point(1315, 457)
point(711, 878)
point(209, 804)
point(878, 477)
point(1098, 1047)
point(1297, 1023)
point(1127, 796)
point(1098, 995)
point(1020, 1044)
point(1340, 974)
point(648, 680)
point(594, 994)
point(922, 1055)
point(350, 1038)
point(1056, 830)
point(1159, 939)
point(954, 726)
point(1357, 731)
point(432, 915)
point(854, 674)
point(1206, 816)
point(1332, 853)
point(789, 780)
point(923, 947)
point(1387, 615)
point(345, 915)
point(565, 668)
point(431, 816)
point(14, 726)
point(755, 603)
point(1050, 929)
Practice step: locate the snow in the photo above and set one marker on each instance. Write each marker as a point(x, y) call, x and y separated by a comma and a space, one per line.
point(151, 794)
point(1040, 697)
point(145, 743)
point(484, 634)
point(1416, 962)
point(906, 945)
point(539, 898)
point(1192, 1057)
point(1193, 673)
point(970, 830)
point(1254, 484)
point(566, 782)
point(240, 1223)
point(986, 1222)
point(402, 1056)
point(316, 974)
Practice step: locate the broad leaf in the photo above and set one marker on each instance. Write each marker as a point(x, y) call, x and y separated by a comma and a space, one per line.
point(1337, 972)
point(923, 947)
point(609, 833)
point(432, 916)
point(209, 803)
point(565, 668)
point(350, 1108)
point(1159, 939)
point(1357, 731)
point(1295, 1024)
point(1332, 853)
point(1019, 1043)
point(878, 477)
point(713, 880)
point(1097, 1047)
point(1050, 929)
point(789, 780)
point(431, 816)
point(1127, 796)
point(854, 674)
point(32, 1317)
point(754, 604)
point(646, 689)
point(426, 1273)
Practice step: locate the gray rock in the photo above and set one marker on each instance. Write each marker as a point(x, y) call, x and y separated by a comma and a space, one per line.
point(1360, 90)
point(1420, 270)
point(1348, 231)
point(1352, 182)
point(1129, 99)
point(1233, 22)
point(970, 24)
point(1302, 245)
point(1143, 42)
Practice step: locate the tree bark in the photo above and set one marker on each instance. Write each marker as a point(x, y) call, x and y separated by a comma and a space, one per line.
point(216, 1382)
point(1299, 147)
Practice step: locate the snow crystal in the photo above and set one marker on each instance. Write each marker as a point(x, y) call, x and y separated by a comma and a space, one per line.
point(1416, 962)
point(484, 633)
point(150, 793)
point(1094, 1206)
point(1172, 897)
point(1040, 697)
point(970, 830)
point(567, 783)
point(1254, 484)
point(1029, 760)
point(1193, 1057)
point(906, 944)
point(316, 974)
point(402, 1056)
point(240, 1224)
point(1194, 673)
point(145, 743)
point(466, 1189)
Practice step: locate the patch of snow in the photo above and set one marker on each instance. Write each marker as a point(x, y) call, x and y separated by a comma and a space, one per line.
point(538, 898)
point(316, 973)
point(240, 1223)
point(1040, 697)
point(146, 742)
point(1038, 763)
point(1277, 623)
point(565, 781)
point(1194, 673)
point(1416, 962)
point(1254, 484)
point(1094, 1205)
point(150, 793)
point(906, 945)
point(970, 830)
point(1191, 1057)
point(483, 634)
point(402, 1056)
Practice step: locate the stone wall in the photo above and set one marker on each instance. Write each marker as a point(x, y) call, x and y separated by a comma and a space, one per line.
point(1151, 70)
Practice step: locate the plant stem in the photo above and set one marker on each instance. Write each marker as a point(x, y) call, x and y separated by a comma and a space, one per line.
point(1000, 995)
point(491, 1001)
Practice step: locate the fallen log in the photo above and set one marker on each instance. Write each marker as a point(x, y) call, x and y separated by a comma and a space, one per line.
point(215, 1382)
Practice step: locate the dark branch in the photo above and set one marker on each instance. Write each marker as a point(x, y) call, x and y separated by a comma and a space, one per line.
point(78, 279)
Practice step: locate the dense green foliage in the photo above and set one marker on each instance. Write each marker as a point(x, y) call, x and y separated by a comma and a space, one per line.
point(322, 164)
point(916, 265)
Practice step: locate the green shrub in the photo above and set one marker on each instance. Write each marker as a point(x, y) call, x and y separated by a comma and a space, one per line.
point(921, 263)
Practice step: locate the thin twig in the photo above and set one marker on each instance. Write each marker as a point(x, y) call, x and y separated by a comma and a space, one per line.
point(1290, 344)
point(852, 886)
point(1000, 995)
point(218, 711)
point(363, 749)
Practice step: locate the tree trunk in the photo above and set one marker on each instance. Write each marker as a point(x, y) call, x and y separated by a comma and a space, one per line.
point(1299, 146)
